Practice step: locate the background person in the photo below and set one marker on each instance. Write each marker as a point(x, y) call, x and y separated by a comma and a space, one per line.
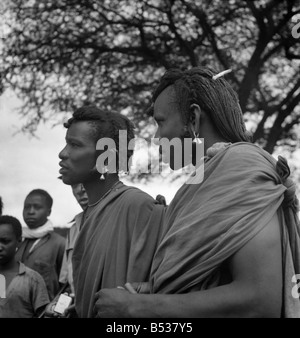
point(66, 273)
point(26, 293)
point(42, 249)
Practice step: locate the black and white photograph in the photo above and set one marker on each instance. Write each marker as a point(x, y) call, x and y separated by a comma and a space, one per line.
point(149, 162)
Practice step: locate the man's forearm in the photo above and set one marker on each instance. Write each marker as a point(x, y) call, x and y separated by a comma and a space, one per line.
point(231, 300)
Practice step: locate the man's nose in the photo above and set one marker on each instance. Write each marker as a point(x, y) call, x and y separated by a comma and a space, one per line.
point(31, 210)
point(63, 153)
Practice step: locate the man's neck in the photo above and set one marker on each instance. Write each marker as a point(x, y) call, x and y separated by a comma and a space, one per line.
point(210, 134)
point(210, 141)
point(96, 188)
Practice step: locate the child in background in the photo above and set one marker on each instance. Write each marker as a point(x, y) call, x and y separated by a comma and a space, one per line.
point(25, 293)
point(42, 249)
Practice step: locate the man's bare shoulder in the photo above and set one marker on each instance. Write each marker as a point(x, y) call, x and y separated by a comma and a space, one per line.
point(258, 264)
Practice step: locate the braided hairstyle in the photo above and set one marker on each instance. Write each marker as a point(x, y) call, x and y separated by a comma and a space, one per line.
point(215, 97)
point(104, 124)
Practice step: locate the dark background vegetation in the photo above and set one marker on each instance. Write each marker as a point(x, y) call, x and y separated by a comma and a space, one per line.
point(60, 54)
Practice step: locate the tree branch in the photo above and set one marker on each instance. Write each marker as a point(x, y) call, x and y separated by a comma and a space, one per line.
point(211, 36)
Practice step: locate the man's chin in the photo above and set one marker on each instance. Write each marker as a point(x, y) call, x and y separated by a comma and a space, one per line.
point(4, 261)
point(67, 180)
point(32, 226)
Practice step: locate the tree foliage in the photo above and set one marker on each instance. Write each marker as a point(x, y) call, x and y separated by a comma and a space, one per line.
point(60, 54)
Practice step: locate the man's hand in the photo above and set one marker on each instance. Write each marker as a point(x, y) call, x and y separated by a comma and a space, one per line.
point(70, 311)
point(112, 303)
point(49, 311)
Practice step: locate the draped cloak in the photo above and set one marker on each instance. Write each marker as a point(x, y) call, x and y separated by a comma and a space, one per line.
point(206, 223)
point(115, 245)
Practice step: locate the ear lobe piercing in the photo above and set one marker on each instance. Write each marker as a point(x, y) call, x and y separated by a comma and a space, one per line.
point(196, 139)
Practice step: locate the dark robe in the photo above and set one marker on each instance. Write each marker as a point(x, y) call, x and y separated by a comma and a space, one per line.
point(116, 244)
point(206, 223)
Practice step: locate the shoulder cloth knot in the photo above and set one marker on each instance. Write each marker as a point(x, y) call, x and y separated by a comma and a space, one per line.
point(290, 198)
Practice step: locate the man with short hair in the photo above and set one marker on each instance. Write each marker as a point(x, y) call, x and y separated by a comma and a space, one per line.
point(42, 249)
point(231, 245)
point(121, 226)
point(25, 290)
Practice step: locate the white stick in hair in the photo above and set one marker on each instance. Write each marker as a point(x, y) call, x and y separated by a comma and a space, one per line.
point(215, 77)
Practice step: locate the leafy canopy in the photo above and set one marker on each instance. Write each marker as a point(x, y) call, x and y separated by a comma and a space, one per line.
point(60, 54)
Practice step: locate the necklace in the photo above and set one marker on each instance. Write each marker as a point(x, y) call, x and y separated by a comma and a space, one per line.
point(87, 211)
point(108, 191)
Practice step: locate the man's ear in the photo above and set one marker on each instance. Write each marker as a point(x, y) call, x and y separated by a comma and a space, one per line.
point(19, 241)
point(49, 212)
point(195, 117)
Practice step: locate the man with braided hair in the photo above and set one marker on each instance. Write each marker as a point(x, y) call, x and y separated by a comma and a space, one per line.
point(121, 225)
point(230, 244)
